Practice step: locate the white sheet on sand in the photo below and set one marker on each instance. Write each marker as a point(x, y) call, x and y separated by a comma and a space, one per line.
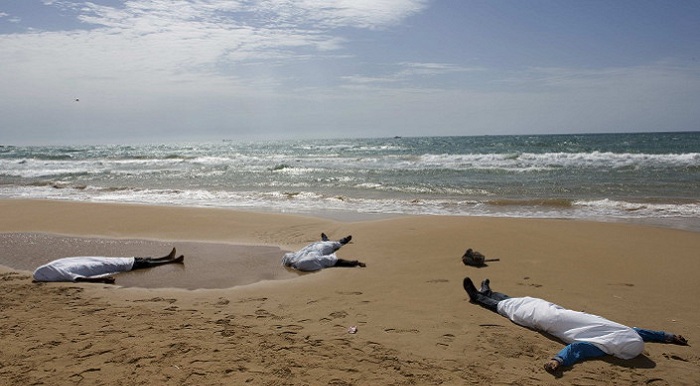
point(573, 326)
point(71, 268)
point(313, 257)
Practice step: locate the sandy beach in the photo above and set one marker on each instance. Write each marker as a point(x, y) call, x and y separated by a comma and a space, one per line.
point(232, 315)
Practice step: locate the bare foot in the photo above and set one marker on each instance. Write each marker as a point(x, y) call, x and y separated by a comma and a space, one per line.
point(172, 254)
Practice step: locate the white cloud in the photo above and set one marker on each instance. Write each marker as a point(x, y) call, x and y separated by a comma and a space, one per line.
point(433, 69)
point(150, 40)
point(371, 14)
point(405, 74)
point(10, 18)
point(635, 80)
point(177, 58)
point(177, 64)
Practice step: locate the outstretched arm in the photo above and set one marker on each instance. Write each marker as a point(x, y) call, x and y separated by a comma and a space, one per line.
point(660, 336)
point(573, 353)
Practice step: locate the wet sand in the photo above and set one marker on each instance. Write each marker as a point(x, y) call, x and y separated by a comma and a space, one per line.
point(208, 265)
point(414, 322)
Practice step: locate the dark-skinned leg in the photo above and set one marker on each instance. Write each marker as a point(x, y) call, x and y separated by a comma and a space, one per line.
point(170, 256)
point(349, 263)
point(140, 262)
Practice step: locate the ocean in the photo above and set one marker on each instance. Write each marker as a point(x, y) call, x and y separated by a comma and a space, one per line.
point(652, 178)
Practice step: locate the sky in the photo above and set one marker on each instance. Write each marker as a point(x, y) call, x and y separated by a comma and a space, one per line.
point(144, 71)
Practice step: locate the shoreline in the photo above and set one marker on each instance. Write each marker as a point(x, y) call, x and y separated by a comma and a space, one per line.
point(625, 176)
point(414, 322)
point(345, 216)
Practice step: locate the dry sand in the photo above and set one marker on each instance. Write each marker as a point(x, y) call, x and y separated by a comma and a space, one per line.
point(415, 324)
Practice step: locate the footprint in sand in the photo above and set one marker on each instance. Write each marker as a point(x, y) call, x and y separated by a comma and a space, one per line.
point(334, 315)
point(248, 300)
point(287, 329)
point(94, 310)
point(224, 321)
point(348, 292)
point(531, 285)
point(13, 276)
point(656, 382)
point(261, 313)
point(338, 314)
point(68, 291)
point(674, 357)
point(338, 382)
point(156, 299)
point(436, 281)
point(446, 340)
point(293, 327)
point(227, 329)
point(622, 284)
point(401, 331)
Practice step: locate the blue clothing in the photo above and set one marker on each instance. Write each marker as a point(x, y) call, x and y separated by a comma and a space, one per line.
point(579, 351)
point(586, 335)
point(654, 336)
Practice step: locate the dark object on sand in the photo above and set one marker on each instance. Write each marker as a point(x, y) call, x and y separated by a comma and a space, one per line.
point(475, 259)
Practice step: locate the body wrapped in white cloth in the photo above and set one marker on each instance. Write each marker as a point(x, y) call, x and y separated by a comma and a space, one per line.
point(313, 257)
point(573, 326)
point(72, 268)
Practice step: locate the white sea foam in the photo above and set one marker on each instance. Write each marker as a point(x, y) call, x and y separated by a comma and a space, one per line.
point(533, 176)
point(307, 201)
point(537, 161)
point(625, 209)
